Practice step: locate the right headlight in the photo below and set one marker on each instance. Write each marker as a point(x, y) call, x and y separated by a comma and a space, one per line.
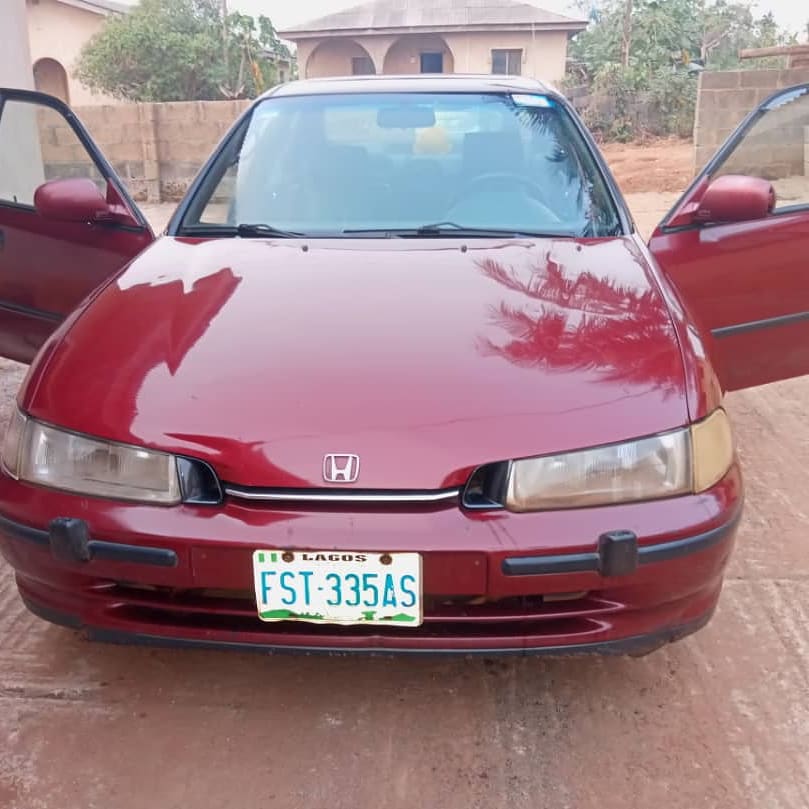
point(684, 461)
point(712, 450)
point(46, 455)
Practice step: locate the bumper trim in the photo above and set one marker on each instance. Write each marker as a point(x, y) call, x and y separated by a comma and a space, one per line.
point(95, 548)
point(343, 495)
point(25, 532)
point(593, 562)
point(634, 646)
point(561, 563)
point(512, 566)
point(134, 554)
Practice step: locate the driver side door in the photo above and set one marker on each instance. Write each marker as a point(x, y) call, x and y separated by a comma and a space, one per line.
point(742, 267)
point(51, 259)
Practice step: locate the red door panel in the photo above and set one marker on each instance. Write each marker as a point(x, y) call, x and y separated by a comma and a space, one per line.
point(746, 284)
point(48, 267)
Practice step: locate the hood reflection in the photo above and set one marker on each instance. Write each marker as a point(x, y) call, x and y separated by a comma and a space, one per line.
point(583, 322)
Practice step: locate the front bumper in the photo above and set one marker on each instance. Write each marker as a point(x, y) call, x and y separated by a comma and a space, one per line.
point(493, 581)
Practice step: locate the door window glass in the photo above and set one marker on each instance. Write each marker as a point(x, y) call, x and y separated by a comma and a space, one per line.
point(38, 144)
point(776, 148)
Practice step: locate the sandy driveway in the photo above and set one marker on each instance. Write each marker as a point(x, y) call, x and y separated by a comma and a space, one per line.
point(718, 720)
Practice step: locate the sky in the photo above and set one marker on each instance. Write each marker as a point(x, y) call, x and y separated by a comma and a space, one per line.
point(790, 14)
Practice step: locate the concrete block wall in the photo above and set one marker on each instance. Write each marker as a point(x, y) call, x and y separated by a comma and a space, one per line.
point(724, 99)
point(185, 135)
point(156, 149)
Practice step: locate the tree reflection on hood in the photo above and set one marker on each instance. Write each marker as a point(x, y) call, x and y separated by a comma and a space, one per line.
point(584, 322)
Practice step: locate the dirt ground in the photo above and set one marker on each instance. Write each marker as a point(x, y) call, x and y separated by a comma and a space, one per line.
point(718, 720)
point(661, 166)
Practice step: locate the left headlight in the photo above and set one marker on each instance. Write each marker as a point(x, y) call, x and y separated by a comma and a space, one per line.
point(680, 462)
point(48, 456)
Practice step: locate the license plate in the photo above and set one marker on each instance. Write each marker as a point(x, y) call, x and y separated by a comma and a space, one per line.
point(338, 587)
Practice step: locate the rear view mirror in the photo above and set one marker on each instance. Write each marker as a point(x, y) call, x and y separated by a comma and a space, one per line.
point(736, 198)
point(75, 199)
point(405, 116)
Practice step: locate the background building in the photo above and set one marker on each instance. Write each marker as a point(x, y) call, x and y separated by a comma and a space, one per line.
point(57, 31)
point(435, 36)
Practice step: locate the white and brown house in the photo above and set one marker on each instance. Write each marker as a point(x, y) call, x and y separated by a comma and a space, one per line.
point(435, 36)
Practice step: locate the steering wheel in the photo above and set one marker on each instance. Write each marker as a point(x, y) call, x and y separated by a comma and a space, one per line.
point(506, 178)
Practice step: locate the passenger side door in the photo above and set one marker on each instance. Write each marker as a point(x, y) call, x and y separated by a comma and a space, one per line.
point(740, 257)
point(66, 221)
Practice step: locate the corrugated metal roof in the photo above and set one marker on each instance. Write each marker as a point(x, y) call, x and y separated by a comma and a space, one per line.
point(98, 6)
point(392, 14)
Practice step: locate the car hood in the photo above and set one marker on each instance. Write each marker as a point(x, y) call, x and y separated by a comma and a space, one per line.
point(424, 357)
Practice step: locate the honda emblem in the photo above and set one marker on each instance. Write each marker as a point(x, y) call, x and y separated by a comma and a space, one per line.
point(341, 467)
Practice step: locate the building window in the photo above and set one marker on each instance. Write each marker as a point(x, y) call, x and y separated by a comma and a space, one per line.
point(507, 62)
point(362, 66)
point(50, 77)
point(432, 63)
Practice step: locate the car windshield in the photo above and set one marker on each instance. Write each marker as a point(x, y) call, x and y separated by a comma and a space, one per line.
point(426, 164)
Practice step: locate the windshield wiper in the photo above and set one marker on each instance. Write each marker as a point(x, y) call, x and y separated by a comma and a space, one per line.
point(246, 231)
point(439, 227)
point(453, 229)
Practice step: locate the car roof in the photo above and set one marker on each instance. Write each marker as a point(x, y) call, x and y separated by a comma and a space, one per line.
point(423, 83)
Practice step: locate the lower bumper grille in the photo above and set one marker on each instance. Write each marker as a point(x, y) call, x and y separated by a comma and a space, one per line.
point(235, 611)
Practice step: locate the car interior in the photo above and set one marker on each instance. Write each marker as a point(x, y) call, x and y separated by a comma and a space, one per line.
point(308, 171)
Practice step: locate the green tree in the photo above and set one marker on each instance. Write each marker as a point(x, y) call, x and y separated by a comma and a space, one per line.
point(181, 50)
point(650, 50)
point(652, 34)
point(252, 46)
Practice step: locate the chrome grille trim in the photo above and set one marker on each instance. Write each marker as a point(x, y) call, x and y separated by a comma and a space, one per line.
point(344, 495)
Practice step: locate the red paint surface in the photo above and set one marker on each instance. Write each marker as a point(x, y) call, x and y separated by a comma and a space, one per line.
point(741, 273)
point(736, 198)
point(463, 552)
point(425, 360)
point(50, 267)
point(72, 199)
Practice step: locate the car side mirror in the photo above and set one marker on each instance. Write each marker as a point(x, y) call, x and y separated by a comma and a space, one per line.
point(736, 198)
point(74, 199)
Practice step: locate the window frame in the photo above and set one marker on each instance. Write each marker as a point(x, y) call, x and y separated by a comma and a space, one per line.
point(508, 53)
point(7, 203)
point(721, 156)
point(422, 71)
point(101, 163)
point(208, 176)
point(767, 108)
point(211, 174)
point(366, 60)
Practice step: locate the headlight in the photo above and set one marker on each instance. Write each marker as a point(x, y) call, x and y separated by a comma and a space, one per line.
point(51, 457)
point(680, 462)
point(711, 450)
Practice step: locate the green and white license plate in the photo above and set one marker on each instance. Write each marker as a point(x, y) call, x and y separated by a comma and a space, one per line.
point(338, 587)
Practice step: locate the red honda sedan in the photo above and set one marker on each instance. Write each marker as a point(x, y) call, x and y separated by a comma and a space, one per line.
point(400, 375)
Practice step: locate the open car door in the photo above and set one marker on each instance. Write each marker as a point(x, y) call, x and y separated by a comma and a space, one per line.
point(66, 221)
point(736, 246)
